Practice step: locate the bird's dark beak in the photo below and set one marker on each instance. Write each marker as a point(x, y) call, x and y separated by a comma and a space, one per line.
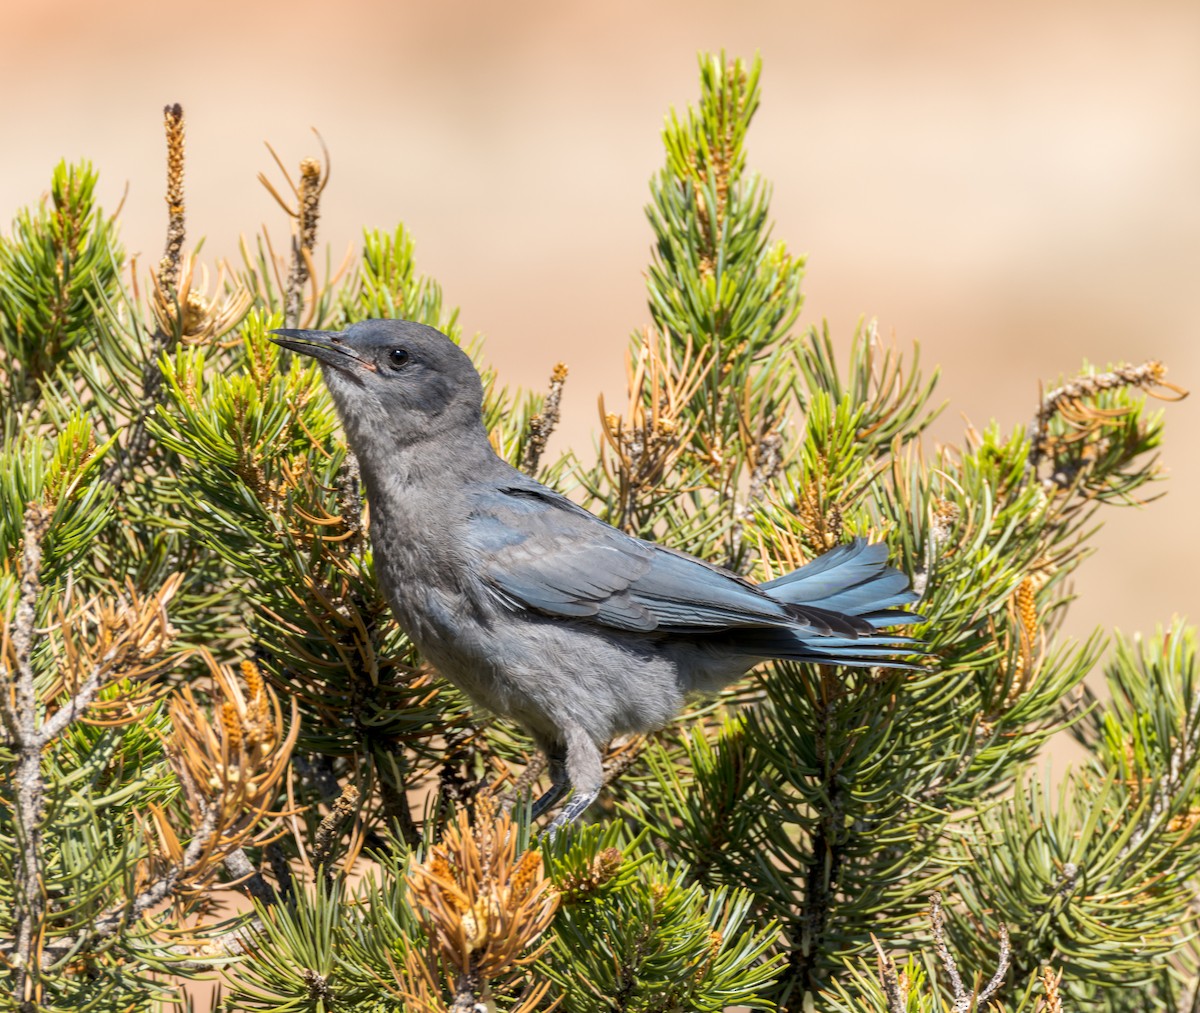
point(325, 346)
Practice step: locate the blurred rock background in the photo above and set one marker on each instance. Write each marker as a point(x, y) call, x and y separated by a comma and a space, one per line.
point(1016, 186)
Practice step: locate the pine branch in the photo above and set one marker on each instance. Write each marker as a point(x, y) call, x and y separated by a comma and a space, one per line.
point(1183, 758)
point(116, 919)
point(73, 709)
point(824, 864)
point(21, 719)
point(60, 262)
point(246, 875)
point(394, 796)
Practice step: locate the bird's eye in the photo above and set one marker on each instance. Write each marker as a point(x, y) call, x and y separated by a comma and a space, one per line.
point(398, 358)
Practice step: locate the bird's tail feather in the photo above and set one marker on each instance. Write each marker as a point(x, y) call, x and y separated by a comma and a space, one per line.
point(854, 580)
point(789, 645)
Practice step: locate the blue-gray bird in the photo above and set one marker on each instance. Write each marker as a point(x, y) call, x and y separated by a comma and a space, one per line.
point(538, 610)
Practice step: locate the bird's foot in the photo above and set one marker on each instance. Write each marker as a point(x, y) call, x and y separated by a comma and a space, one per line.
point(547, 799)
point(572, 810)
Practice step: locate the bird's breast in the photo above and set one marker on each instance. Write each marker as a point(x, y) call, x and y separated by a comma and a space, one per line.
point(429, 579)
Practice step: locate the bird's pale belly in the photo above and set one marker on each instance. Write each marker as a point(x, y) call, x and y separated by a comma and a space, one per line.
point(543, 672)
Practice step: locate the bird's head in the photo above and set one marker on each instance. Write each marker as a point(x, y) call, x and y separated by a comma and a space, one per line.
point(394, 380)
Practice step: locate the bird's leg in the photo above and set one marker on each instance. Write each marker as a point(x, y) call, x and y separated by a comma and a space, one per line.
point(559, 781)
point(585, 772)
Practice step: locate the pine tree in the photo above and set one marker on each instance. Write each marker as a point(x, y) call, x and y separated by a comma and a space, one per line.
point(203, 695)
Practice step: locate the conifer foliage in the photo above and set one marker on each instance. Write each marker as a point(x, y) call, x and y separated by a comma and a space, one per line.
point(220, 758)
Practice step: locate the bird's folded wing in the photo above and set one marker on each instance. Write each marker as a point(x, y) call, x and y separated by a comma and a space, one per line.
point(538, 550)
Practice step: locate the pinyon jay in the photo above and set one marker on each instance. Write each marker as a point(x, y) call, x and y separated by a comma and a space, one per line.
point(540, 611)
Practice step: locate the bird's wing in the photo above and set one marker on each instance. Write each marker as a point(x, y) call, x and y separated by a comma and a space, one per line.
point(538, 550)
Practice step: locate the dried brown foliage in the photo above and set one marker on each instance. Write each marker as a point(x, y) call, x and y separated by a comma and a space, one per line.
point(185, 306)
point(1051, 1002)
point(641, 446)
point(485, 909)
point(231, 763)
point(102, 642)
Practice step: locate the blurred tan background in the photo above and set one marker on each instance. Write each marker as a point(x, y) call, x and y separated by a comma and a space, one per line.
point(1016, 186)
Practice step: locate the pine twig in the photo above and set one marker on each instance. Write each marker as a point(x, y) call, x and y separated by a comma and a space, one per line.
point(993, 986)
point(964, 1000)
point(327, 832)
point(280, 868)
point(124, 461)
point(319, 989)
point(525, 781)
point(73, 709)
point(766, 461)
point(24, 717)
point(314, 177)
point(889, 979)
point(937, 921)
point(468, 990)
point(349, 495)
point(305, 239)
point(621, 757)
point(394, 798)
point(168, 267)
point(544, 422)
point(114, 920)
point(1148, 376)
point(137, 627)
